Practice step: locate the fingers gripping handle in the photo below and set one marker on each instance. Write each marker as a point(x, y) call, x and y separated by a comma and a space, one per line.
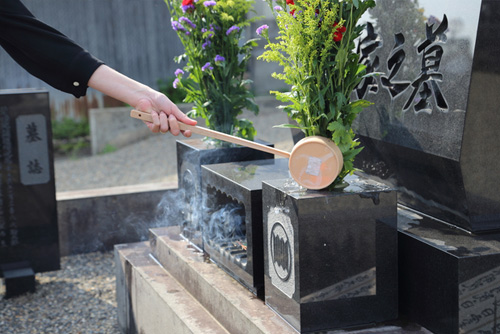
point(145, 116)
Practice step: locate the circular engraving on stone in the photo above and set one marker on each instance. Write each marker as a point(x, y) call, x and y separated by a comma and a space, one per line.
point(280, 241)
point(281, 252)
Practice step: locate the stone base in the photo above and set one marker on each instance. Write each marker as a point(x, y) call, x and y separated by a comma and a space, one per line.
point(449, 278)
point(19, 278)
point(186, 293)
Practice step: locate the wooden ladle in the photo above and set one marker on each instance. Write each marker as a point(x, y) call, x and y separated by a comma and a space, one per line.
point(314, 162)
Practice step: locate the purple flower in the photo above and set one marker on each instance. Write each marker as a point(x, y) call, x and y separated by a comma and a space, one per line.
point(206, 44)
point(209, 3)
point(187, 21)
point(176, 83)
point(278, 8)
point(210, 35)
point(219, 58)
point(207, 66)
point(177, 26)
point(178, 72)
point(187, 8)
point(261, 29)
point(233, 28)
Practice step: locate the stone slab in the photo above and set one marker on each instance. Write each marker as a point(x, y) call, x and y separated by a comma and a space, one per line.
point(152, 301)
point(449, 278)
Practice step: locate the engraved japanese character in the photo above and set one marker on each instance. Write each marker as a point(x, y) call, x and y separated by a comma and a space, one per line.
point(32, 133)
point(426, 83)
point(34, 167)
point(394, 63)
point(366, 47)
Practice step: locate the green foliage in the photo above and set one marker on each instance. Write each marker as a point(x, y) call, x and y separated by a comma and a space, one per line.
point(70, 137)
point(68, 128)
point(215, 61)
point(108, 149)
point(316, 48)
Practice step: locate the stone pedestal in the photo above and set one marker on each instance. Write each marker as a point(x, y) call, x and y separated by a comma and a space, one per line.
point(191, 155)
point(449, 278)
point(331, 257)
point(167, 286)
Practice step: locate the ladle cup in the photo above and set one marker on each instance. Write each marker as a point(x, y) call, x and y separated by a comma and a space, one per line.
point(314, 162)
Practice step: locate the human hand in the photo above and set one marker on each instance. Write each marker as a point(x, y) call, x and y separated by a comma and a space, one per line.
point(165, 114)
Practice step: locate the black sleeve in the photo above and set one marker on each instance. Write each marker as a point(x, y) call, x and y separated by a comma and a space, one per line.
point(43, 51)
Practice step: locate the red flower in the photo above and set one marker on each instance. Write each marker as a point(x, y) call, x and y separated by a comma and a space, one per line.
point(339, 33)
point(290, 2)
point(187, 2)
point(292, 12)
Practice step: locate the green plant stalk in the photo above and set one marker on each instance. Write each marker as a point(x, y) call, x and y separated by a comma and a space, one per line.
point(322, 73)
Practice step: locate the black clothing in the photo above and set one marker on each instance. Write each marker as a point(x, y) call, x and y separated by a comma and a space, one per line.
point(43, 51)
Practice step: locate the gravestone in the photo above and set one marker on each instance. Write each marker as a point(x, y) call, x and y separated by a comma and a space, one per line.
point(29, 239)
point(431, 129)
point(431, 133)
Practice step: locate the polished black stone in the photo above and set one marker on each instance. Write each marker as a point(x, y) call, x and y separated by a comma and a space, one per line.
point(191, 155)
point(232, 228)
point(432, 128)
point(28, 210)
point(449, 278)
point(330, 257)
point(19, 278)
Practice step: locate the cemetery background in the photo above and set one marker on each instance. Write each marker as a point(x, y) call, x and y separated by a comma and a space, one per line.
point(77, 169)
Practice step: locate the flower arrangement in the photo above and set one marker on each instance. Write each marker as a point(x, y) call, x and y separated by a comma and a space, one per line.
point(216, 61)
point(316, 48)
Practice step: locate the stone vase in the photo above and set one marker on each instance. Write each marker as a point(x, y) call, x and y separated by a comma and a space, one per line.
point(330, 258)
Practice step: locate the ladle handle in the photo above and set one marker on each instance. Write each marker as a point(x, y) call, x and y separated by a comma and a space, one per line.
point(145, 116)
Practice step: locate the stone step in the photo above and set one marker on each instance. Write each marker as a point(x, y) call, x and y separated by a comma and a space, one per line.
point(234, 306)
point(151, 301)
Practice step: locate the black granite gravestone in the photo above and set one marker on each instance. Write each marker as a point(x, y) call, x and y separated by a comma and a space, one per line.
point(28, 216)
point(431, 132)
point(432, 128)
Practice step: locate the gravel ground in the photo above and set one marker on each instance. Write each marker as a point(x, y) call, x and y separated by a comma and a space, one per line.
point(78, 299)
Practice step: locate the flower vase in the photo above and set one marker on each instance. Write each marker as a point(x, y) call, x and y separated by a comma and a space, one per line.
point(330, 257)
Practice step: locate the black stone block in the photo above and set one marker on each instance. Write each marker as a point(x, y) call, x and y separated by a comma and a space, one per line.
point(232, 220)
point(191, 155)
point(19, 278)
point(431, 130)
point(331, 257)
point(449, 278)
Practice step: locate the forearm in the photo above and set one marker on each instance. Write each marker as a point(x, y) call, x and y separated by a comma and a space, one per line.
point(119, 86)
